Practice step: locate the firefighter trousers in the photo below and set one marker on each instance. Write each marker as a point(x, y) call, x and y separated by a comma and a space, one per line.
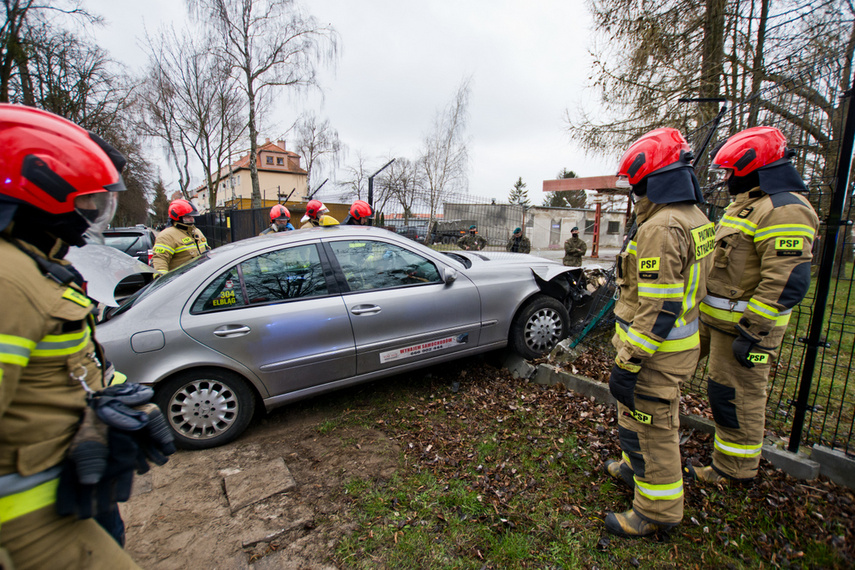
point(43, 539)
point(650, 441)
point(737, 398)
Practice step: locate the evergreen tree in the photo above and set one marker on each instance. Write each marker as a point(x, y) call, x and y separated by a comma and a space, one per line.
point(519, 195)
point(568, 198)
point(160, 205)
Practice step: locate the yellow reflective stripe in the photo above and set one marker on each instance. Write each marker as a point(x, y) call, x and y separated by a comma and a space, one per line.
point(650, 346)
point(666, 492)
point(643, 342)
point(626, 458)
point(76, 297)
point(118, 378)
point(25, 502)
point(784, 230)
point(661, 290)
point(737, 450)
point(185, 248)
point(762, 309)
point(734, 316)
point(745, 226)
point(691, 296)
point(62, 344)
point(15, 349)
point(632, 248)
point(160, 248)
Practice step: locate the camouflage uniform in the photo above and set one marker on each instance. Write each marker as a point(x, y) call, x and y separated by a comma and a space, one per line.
point(472, 241)
point(519, 244)
point(574, 249)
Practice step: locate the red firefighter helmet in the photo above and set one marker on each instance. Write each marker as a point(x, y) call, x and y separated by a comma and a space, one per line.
point(180, 208)
point(280, 213)
point(315, 208)
point(751, 149)
point(361, 209)
point(50, 163)
point(658, 149)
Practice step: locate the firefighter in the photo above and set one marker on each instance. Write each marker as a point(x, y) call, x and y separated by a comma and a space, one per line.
point(55, 455)
point(361, 213)
point(761, 271)
point(317, 215)
point(280, 220)
point(662, 277)
point(472, 241)
point(180, 242)
point(518, 243)
point(574, 248)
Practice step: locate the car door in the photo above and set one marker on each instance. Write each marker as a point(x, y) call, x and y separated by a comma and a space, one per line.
point(278, 314)
point(400, 308)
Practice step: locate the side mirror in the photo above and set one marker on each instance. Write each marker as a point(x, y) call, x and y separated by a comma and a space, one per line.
point(449, 275)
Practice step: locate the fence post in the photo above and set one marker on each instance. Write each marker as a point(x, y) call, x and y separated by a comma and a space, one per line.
point(823, 282)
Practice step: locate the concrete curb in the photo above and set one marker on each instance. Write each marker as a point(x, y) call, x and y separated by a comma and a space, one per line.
point(831, 463)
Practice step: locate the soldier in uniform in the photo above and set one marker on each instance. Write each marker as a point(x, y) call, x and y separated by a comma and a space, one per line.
point(662, 277)
point(761, 271)
point(574, 248)
point(317, 215)
point(518, 243)
point(280, 220)
point(180, 242)
point(472, 241)
point(60, 181)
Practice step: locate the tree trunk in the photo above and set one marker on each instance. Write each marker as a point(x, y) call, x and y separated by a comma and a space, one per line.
point(712, 64)
point(253, 148)
point(757, 65)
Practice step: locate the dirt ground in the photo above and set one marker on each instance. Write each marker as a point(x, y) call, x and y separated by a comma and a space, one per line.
point(180, 515)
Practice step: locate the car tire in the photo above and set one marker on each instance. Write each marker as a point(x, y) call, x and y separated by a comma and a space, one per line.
point(206, 408)
point(539, 325)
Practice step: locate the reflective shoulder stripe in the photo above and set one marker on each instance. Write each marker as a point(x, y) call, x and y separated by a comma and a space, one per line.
point(160, 248)
point(782, 230)
point(666, 492)
point(15, 349)
point(632, 248)
point(737, 450)
point(76, 297)
point(661, 290)
point(62, 344)
point(25, 502)
point(745, 226)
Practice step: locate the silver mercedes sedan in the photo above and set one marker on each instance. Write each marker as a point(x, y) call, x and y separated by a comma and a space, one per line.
point(271, 320)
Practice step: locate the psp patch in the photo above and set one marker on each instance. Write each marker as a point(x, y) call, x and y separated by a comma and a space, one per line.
point(758, 357)
point(789, 246)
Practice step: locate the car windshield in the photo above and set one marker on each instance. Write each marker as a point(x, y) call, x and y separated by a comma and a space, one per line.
point(154, 286)
point(464, 261)
point(122, 242)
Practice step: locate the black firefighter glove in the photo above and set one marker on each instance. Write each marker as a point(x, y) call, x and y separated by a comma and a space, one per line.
point(742, 347)
point(622, 382)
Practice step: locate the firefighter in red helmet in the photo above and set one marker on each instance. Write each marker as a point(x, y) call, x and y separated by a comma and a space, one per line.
point(57, 182)
point(661, 276)
point(181, 241)
point(762, 270)
point(317, 215)
point(280, 220)
point(361, 213)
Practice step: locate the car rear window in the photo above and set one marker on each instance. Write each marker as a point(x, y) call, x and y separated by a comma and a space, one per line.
point(123, 242)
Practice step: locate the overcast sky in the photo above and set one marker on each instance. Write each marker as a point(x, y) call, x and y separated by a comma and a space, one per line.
point(401, 61)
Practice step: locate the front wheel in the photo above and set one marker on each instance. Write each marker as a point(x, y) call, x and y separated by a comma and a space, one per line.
point(538, 327)
point(206, 408)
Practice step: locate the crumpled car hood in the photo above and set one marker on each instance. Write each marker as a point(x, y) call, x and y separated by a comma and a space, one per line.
point(103, 267)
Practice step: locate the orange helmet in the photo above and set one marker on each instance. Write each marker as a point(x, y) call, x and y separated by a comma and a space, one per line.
point(50, 164)
point(361, 209)
point(314, 210)
point(280, 213)
point(751, 149)
point(180, 208)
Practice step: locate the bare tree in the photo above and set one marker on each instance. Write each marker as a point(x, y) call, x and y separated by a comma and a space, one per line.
point(268, 43)
point(444, 160)
point(399, 183)
point(318, 144)
point(193, 105)
point(355, 186)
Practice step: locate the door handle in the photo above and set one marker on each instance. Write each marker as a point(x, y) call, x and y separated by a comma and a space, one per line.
point(365, 309)
point(232, 330)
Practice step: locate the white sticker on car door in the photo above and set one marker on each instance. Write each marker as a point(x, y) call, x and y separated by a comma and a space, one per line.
point(423, 348)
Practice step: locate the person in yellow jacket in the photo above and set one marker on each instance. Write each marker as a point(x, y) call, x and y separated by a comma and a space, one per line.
point(661, 275)
point(317, 215)
point(761, 271)
point(180, 242)
point(61, 181)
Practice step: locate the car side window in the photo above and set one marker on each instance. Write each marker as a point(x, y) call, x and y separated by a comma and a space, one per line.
point(280, 275)
point(368, 264)
point(291, 273)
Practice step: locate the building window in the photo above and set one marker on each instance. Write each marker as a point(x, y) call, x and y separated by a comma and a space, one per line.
point(280, 161)
point(589, 226)
point(269, 160)
point(614, 228)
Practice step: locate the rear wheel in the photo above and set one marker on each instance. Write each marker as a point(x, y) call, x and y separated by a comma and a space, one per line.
point(206, 408)
point(538, 327)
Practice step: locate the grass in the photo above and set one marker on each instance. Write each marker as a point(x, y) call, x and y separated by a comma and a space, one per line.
point(506, 474)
